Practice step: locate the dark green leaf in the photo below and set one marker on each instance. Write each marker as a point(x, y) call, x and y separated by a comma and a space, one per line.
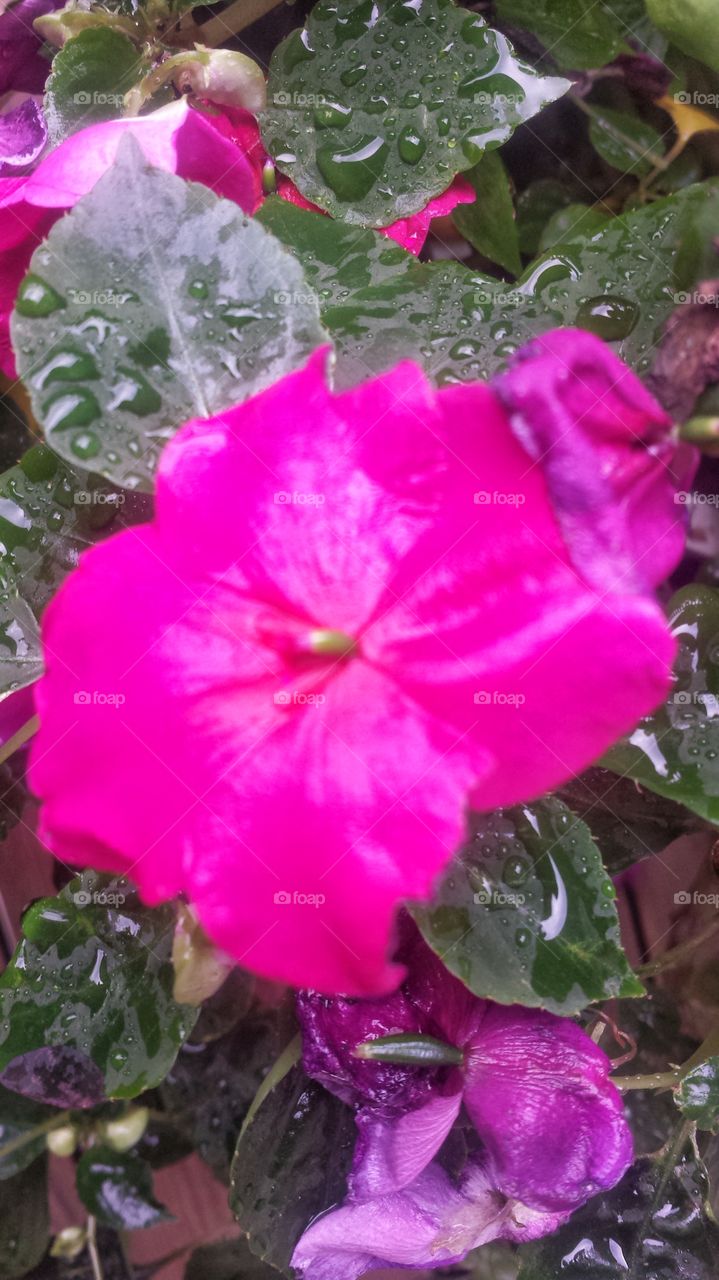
point(653, 1226)
point(49, 514)
point(698, 1095)
point(290, 1164)
point(526, 913)
point(90, 76)
point(624, 141)
point(15, 436)
point(210, 1088)
point(489, 223)
point(156, 302)
point(92, 974)
point(577, 33)
point(227, 1260)
point(117, 1188)
point(19, 1122)
point(373, 109)
point(675, 751)
point(24, 1221)
point(536, 204)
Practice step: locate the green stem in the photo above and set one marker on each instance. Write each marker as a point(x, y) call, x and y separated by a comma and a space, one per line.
point(653, 1080)
point(22, 1139)
point(678, 954)
point(241, 14)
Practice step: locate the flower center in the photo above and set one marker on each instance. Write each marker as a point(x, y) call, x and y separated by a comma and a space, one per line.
point(336, 644)
point(296, 641)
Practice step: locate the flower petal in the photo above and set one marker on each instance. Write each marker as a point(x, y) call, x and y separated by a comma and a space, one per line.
point(539, 1094)
point(23, 134)
point(392, 1153)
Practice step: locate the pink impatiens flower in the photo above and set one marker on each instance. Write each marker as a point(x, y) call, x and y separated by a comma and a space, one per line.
point(548, 1126)
point(352, 616)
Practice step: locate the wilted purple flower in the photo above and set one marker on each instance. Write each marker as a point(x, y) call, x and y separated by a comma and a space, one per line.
point(23, 134)
point(22, 66)
point(549, 1121)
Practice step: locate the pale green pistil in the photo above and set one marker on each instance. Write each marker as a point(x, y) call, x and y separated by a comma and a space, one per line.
point(336, 644)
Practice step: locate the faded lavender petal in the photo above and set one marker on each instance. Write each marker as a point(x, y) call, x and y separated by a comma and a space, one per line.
point(23, 134)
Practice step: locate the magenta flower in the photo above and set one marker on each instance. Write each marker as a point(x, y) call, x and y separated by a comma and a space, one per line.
point(535, 1087)
point(353, 616)
point(22, 66)
point(176, 138)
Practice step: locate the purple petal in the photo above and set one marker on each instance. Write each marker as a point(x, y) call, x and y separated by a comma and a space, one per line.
point(21, 65)
point(23, 134)
point(539, 1094)
point(576, 407)
point(429, 1224)
point(392, 1153)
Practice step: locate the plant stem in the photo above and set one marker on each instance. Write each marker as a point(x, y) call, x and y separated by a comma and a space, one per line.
point(19, 739)
point(653, 1080)
point(241, 14)
point(92, 1249)
point(678, 954)
point(22, 1139)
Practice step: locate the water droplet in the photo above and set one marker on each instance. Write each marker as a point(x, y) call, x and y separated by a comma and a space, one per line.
point(609, 317)
point(76, 408)
point(411, 145)
point(352, 172)
point(353, 75)
point(332, 115)
point(86, 445)
point(38, 298)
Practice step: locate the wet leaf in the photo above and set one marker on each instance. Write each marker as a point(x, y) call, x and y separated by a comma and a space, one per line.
point(372, 109)
point(92, 977)
point(675, 751)
point(489, 223)
point(290, 1164)
point(117, 1188)
point(526, 913)
point(227, 1260)
point(653, 1226)
point(90, 76)
point(698, 1095)
point(626, 142)
point(691, 25)
point(24, 1220)
point(577, 33)
point(152, 302)
point(49, 514)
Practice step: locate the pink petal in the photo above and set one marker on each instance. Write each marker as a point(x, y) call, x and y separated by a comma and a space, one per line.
point(412, 232)
point(539, 1094)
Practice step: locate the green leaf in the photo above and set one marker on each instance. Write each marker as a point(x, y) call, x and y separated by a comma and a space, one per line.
point(19, 1122)
point(536, 204)
point(373, 108)
point(337, 259)
point(577, 33)
point(653, 1226)
point(675, 751)
point(117, 1188)
point(290, 1164)
point(526, 913)
point(624, 141)
point(572, 222)
point(462, 325)
point(90, 76)
point(209, 309)
point(489, 223)
point(92, 974)
point(227, 1260)
point(24, 1220)
point(49, 514)
point(698, 1095)
point(689, 24)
